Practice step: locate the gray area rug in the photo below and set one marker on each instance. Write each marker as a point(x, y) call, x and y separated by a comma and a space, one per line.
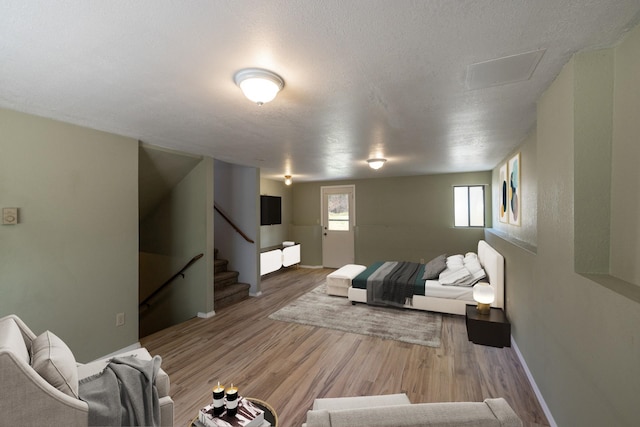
point(316, 308)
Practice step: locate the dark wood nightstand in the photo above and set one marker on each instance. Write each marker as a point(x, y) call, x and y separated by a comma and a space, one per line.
point(488, 329)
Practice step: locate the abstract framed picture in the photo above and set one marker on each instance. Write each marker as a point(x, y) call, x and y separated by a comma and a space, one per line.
point(503, 205)
point(514, 190)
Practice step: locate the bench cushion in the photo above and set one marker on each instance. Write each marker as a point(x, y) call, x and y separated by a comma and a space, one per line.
point(338, 403)
point(339, 281)
point(490, 413)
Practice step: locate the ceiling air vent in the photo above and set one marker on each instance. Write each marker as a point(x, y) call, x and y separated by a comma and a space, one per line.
point(501, 71)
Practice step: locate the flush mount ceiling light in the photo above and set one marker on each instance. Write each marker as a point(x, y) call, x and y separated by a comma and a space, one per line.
point(376, 163)
point(259, 85)
point(287, 180)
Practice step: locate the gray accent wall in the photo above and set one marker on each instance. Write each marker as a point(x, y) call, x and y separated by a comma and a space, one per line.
point(578, 331)
point(405, 218)
point(71, 264)
point(237, 195)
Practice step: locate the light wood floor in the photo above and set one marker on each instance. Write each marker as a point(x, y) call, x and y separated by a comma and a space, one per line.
point(289, 365)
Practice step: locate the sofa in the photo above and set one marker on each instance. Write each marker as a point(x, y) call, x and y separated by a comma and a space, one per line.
point(396, 410)
point(40, 377)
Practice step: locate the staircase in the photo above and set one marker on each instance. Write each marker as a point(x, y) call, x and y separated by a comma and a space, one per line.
point(226, 289)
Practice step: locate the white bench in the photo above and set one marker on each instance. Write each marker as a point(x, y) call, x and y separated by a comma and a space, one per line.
point(339, 281)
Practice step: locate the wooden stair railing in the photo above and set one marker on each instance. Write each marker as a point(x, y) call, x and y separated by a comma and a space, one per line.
point(145, 302)
point(235, 227)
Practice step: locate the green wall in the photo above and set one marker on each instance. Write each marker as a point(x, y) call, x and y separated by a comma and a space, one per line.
point(625, 177)
point(405, 218)
point(592, 136)
point(578, 332)
point(71, 263)
point(180, 228)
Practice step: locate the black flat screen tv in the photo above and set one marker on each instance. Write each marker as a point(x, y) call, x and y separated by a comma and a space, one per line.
point(270, 210)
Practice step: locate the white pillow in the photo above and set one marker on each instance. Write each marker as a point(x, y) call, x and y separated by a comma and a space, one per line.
point(455, 258)
point(455, 262)
point(473, 265)
point(54, 361)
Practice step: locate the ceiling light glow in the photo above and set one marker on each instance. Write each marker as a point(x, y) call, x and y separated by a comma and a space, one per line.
point(258, 85)
point(376, 163)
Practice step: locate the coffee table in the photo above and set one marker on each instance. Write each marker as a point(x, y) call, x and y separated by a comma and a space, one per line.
point(270, 414)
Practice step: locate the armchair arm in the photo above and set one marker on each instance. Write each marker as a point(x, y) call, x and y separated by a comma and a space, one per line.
point(27, 333)
point(166, 411)
point(27, 399)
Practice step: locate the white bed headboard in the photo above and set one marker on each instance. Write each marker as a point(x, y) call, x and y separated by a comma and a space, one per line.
point(493, 264)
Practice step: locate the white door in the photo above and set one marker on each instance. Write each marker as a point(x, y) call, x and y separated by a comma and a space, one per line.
point(338, 220)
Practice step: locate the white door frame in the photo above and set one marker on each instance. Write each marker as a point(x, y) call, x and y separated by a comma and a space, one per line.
point(347, 245)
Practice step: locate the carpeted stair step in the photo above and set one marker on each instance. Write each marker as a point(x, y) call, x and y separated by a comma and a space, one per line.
point(227, 291)
point(230, 294)
point(220, 265)
point(225, 278)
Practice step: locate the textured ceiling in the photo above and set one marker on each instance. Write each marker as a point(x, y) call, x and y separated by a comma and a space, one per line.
point(362, 78)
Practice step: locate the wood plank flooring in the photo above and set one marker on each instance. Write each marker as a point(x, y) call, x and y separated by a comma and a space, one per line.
point(289, 365)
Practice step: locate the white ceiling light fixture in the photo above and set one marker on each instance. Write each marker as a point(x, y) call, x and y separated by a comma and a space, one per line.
point(258, 85)
point(376, 163)
point(287, 180)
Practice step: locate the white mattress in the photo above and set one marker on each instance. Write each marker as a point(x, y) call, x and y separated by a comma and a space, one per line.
point(433, 288)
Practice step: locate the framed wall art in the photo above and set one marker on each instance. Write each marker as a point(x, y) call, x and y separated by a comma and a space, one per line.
point(503, 205)
point(514, 190)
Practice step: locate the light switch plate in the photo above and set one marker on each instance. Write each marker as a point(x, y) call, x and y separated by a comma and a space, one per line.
point(119, 319)
point(9, 216)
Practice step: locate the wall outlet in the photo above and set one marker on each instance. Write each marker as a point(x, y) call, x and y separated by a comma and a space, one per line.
point(119, 319)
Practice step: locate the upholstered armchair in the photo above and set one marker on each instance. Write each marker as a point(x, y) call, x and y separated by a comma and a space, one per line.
point(40, 376)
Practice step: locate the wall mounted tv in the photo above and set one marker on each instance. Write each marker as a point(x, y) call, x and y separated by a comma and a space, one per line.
point(270, 210)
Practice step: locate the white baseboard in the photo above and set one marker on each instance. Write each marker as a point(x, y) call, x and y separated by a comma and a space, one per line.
point(310, 266)
point(206, 315)
point(536, 390)
point(255, 294)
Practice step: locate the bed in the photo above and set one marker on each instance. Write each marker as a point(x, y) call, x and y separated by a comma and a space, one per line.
point(432, 295)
